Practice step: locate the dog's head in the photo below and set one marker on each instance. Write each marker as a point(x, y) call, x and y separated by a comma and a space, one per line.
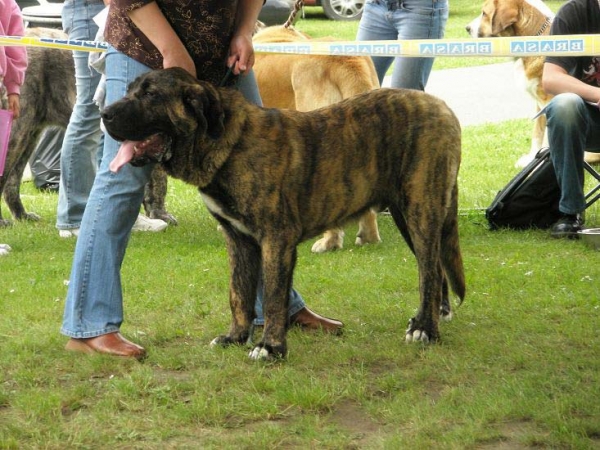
point(162, 111)
point(496, 18)
point(505, 18)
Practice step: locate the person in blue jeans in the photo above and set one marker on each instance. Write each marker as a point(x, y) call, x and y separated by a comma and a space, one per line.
point(83, 137)
point(83, 141)
point(573, 114)
point(386, 20)
point(94, 306)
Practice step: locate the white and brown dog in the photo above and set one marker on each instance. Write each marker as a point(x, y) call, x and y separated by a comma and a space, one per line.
point(502, 18)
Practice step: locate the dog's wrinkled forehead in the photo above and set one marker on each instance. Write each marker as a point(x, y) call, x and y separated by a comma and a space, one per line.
point(162, 81)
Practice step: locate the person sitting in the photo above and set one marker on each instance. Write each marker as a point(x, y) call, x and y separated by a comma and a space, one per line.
point(573, 114)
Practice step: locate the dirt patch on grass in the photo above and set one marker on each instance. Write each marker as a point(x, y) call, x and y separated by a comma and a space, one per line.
point(352, 418)
point(516, 435)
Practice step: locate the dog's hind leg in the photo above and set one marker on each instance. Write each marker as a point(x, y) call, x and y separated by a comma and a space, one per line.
point(244, 262)
point(368, 232)
point(155, 193)
point(21, 147)
point(422, 233)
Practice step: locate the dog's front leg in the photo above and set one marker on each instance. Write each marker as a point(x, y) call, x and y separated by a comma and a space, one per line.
point(278, 268)
point(244, 262)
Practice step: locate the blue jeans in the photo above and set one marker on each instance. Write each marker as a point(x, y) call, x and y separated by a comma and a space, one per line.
point(94, 304)
point(83, 137)
point(573, 128)
point(387, 20)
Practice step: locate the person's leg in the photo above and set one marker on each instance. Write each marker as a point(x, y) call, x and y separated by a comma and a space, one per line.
point(417, 19)
point(572, 128)
point(375, 25)
point(94, 304)
point(83, 138)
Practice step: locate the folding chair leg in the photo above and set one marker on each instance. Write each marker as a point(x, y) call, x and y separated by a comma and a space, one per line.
point(593, 194)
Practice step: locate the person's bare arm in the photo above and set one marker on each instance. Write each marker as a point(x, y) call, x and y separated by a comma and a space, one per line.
point(556, 80)
point(152, 22)
point(241, 50)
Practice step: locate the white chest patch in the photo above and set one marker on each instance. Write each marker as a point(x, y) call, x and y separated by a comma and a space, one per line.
point(217, 210)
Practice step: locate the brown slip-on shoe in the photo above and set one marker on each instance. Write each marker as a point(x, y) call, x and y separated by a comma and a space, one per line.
point(309, 320)
point(108, 344)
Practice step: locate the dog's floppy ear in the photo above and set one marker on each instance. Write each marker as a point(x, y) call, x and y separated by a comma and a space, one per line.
point(503, 18)
point(204, 100)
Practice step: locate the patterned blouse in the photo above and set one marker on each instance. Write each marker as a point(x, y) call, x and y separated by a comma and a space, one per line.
point(204, 26)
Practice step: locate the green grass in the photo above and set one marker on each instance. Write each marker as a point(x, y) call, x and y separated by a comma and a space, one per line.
point(517, 367)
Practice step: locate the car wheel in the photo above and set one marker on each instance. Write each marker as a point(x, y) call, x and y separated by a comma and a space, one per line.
point(343, 9)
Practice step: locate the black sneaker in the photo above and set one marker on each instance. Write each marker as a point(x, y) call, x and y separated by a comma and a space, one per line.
point(567, 226)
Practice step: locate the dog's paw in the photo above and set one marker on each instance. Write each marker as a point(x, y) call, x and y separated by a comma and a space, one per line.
point(263, 352)
point(163, 215)
point(417, 336)
point(226, 341)
point(5, 223)
point(416, 333)
point(360, 240)
point(331, 240)
point(446, 316)
point(30, 217)
point(446, 311)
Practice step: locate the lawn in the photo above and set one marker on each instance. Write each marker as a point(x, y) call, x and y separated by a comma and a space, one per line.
point(517, 368)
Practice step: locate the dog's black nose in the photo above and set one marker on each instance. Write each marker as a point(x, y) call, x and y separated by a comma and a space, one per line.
point(106, 115)
point(468, 28)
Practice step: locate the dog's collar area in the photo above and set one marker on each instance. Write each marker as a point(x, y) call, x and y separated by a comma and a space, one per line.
point(547, 23)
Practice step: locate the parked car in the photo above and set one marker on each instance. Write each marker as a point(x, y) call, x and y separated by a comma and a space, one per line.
point(41, 13)
point(46, 13)
point(339, 9)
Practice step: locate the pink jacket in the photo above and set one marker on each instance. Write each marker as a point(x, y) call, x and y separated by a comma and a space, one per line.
point(13, 60)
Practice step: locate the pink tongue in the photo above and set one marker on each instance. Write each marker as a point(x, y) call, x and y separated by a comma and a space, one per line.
point(124, 155)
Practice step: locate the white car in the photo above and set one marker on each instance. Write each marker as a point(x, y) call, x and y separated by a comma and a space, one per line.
point(44, 13)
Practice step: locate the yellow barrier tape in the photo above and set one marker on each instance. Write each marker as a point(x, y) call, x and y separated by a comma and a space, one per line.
point(578, 45)
point(571, 45)
point(63, 44)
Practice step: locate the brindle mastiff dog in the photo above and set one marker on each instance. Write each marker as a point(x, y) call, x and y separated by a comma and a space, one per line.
point(270, 176)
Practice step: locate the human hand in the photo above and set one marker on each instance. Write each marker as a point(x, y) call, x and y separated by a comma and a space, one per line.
point(14, 105)
point(241, 54)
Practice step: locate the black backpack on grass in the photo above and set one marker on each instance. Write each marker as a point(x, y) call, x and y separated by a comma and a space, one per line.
point(530, 199)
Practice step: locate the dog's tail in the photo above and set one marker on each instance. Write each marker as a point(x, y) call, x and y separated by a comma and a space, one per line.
point(451, 255)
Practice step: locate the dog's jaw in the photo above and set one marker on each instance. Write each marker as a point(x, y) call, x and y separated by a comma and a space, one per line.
point(155, 148)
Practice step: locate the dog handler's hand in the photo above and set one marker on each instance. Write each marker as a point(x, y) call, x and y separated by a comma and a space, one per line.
point(241, 54)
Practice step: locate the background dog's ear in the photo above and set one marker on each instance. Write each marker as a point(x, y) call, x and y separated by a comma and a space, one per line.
point(204, 100)
point(504, 18)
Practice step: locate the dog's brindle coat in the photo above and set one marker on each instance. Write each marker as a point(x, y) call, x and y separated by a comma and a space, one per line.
point(274, 178)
